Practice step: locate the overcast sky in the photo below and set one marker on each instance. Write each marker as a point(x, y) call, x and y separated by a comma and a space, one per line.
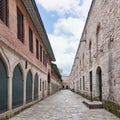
point(64, 22)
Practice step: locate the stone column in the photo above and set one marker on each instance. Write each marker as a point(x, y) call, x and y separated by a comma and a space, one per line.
point(24, 90)
point(33, 89)
point(9, 92)
point(38, 89)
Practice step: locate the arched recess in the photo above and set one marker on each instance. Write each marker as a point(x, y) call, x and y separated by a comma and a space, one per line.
point(49, 80)
point(3, 87)
point(17, 87)
point(98, 37)
point(36, 87)
point(83, 62)
point(99, 83)
point(29, 87)
point(90, 45)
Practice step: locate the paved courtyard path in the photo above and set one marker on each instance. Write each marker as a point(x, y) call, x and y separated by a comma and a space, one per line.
point(64, 105)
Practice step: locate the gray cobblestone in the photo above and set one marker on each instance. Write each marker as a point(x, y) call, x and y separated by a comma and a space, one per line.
point(63, 105)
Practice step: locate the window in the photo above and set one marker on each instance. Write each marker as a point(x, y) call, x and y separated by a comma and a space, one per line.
point(37, 49)
point(40, 85)
point(41, 53)
point(43, 57)
point(17, 87)
point(80, 84)
point(45, 85)
point(90, 80)
point(4, 11)
point(30, 40)
point(83, 83)
point(83, 62)
point(98, 38)
point(90, 45)
point(20, 27)
point(46, 60)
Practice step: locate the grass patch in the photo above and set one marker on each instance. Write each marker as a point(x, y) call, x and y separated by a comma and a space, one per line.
point(112, 107)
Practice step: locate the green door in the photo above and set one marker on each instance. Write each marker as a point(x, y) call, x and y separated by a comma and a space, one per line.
point(29, 87)
point(17, 88)
point(3, 88)
point(36, 87)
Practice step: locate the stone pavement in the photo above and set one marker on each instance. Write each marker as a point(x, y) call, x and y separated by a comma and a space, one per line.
point(64, 105)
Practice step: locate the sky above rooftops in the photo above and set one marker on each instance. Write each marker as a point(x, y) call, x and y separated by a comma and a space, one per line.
point(64, 21)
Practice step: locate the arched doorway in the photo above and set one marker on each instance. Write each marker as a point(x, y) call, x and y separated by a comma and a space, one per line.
point(17, 87)
point(48, 79)
point(67, 87)
point(43, 89)
point(3, 87)
point(99, 83)
point(36, 87)
point(29, 87)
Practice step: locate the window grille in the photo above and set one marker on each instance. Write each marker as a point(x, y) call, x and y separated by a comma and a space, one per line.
point(41, 55)
point(37, 49)
point(4, 11)
point(30, 40)
point(20, 26)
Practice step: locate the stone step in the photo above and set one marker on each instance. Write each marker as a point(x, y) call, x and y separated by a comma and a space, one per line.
point(94, 104)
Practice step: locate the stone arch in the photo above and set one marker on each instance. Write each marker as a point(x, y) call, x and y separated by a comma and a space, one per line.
point(3, 86)
point(21, 67)
point(17, 86)
point(99, 82)
point(29, 80)
point(36, 87)
point(4, 81)
point(4, 58)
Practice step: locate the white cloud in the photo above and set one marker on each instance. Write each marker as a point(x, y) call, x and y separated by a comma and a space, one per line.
point(62, 7)
point(65, 41)
point(70, 26)
point(67, 29)
point(60, 46)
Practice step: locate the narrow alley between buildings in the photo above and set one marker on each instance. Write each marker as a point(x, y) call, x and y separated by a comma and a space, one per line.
point(64, 105)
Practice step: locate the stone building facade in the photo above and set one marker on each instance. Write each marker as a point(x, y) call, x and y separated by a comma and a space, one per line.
point(56, 79)
point(65, 82)
point(96, 69)
point(25, 57)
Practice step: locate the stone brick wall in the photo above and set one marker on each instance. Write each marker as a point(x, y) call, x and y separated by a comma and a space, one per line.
point(102, 30)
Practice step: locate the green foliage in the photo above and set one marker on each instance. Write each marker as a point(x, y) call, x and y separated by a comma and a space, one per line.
point(113, 108)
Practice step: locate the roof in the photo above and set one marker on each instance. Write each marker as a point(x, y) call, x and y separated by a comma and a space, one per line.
point(35, 17)
point(54, 66)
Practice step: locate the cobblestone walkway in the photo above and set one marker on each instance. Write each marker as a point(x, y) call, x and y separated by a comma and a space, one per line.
point(64, 105)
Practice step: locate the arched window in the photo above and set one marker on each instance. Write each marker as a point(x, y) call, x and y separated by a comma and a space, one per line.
point(98, 38)
point(17, 87)
point(40, 84)
point(80, 64)
point(3, 88)
point(90, 45)
point(83, 61)
point(36, 87)
point(99, 82)
point(29, 87)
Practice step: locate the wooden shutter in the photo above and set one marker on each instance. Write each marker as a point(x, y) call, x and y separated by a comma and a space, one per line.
point(20, 28)
point(41, 53)
point(30, 40)
point(37, 49)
